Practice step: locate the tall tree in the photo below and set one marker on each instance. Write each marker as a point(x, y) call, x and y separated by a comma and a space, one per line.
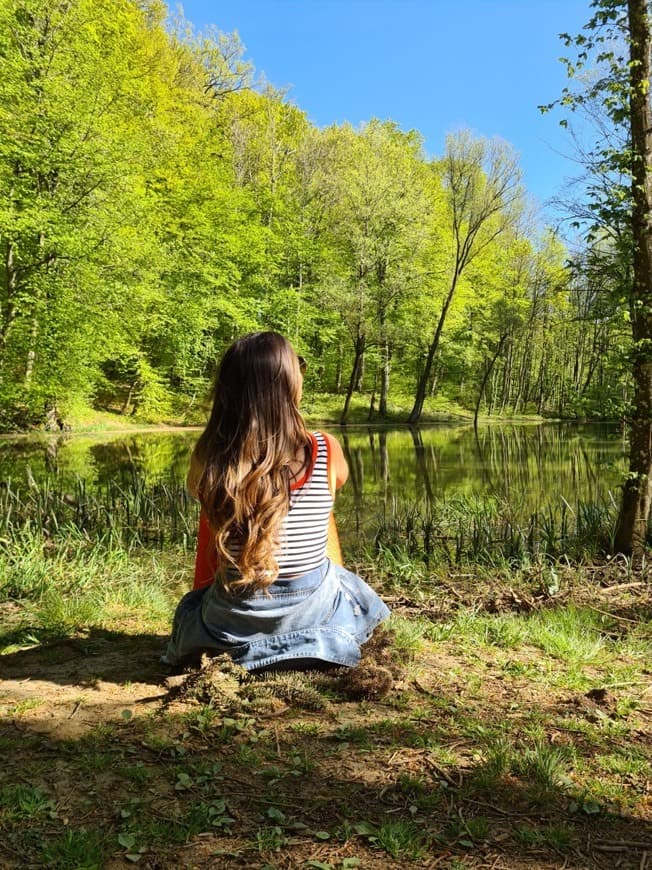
point(632, 529)
point(377, 223)
point(481, 181)
point(622, 91)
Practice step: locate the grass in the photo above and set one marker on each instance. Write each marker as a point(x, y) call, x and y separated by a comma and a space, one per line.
point(75, 849)
point(316, 407)
point(70, 586)
point(25, 803)
point(410, 539)
point(571, 634)
point(487, 749)
point(484, 530)
point(327, 408)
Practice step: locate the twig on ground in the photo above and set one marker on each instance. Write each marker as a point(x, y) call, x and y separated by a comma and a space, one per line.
point(75, 709)
point(618, 845)
point(613, 615)
point(496, 809)
point(441, 773)
point(606, 590)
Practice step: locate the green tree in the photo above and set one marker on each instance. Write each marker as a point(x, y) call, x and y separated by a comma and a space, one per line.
point(481, 184)
point(73, 91)
point(377, 222)
point(622, 91)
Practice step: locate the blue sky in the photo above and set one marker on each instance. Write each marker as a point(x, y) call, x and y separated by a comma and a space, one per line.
point(433, 65)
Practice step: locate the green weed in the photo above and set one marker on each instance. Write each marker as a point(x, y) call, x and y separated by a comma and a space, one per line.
point(312, 729)
point(571, 634)
point(557, 836)
point(25, 706)
point(136, 772)
point(25, 803)
point(94, 761)
point(409, 634)
point(270, 838)
point(505, 632)
point(543, 766)
point(496, 763)
point(400, 839)
point(76, 849)
point(627, 761)
point(467, 831)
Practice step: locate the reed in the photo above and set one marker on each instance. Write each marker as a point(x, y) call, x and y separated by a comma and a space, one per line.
point(488, 531)
point(125, 512)
point(132, 512)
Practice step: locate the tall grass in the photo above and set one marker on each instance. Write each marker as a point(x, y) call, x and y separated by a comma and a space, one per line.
point(134, 513)
point(128, 511)
point(470, 530)
point(71, 559)
point(55, 590)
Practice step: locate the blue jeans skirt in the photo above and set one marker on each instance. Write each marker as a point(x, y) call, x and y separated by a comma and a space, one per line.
point(323, 615)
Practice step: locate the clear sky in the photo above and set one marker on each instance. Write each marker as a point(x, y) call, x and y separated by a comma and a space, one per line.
point(433, 65)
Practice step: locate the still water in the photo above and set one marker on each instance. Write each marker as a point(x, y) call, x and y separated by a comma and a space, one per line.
point(530, 466)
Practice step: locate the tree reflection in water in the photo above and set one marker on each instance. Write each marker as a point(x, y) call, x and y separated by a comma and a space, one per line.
point(529, 466)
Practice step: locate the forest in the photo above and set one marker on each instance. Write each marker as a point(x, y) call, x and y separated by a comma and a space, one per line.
point(157, 198)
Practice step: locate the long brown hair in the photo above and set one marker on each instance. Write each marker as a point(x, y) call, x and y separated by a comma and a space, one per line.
point(254, 432)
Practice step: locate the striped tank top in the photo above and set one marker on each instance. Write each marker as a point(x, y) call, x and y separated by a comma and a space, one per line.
point(304, 530)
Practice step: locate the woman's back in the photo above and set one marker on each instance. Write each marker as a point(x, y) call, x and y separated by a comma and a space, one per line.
point(266, 488)
point(303, 531)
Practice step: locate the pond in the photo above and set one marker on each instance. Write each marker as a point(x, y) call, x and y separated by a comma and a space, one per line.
point(528, 466)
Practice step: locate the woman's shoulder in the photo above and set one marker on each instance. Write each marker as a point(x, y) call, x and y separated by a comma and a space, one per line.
point(326, 437)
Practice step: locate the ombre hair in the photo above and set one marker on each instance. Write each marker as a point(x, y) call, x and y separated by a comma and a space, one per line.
point(254, 433)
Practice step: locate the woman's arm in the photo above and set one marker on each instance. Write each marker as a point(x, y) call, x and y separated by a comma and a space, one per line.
point(338, 464)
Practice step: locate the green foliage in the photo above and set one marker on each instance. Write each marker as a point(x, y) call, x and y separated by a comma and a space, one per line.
point(25, 803)
point(156, 201)
point(76, 849)
point(543, 766)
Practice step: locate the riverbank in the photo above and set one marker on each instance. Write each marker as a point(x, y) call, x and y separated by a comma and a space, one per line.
point(508, 725)
point(319, 409)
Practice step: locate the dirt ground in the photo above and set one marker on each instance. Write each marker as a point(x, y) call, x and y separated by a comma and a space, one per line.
point(107, 763)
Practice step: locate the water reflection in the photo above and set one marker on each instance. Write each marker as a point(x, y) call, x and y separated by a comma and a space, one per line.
point(96, 459)
point(528, 465)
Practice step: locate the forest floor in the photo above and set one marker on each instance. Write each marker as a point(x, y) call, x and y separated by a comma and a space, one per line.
point(492, 725)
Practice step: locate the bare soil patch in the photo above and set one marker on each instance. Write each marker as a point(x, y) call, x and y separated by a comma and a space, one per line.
point(105, 764)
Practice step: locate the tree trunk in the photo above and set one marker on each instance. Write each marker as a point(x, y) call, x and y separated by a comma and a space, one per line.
point(357, 363)
point(338, 375)
point(31, 353)
point(503, 338)
point(384, 376)
point(633, 521)
point(372, 401)
point(359, 378)
point(9, 314)
point(507, 380)
point(422, 387)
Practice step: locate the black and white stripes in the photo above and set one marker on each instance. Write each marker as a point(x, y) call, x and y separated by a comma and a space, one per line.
point(305, 529)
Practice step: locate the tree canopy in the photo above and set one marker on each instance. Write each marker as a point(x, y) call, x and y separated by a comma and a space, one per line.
point(156, 200)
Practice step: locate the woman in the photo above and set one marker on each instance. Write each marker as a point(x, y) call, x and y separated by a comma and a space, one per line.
point(266, 487)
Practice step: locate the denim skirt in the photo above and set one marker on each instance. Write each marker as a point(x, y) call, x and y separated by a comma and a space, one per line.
point(323, 615)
